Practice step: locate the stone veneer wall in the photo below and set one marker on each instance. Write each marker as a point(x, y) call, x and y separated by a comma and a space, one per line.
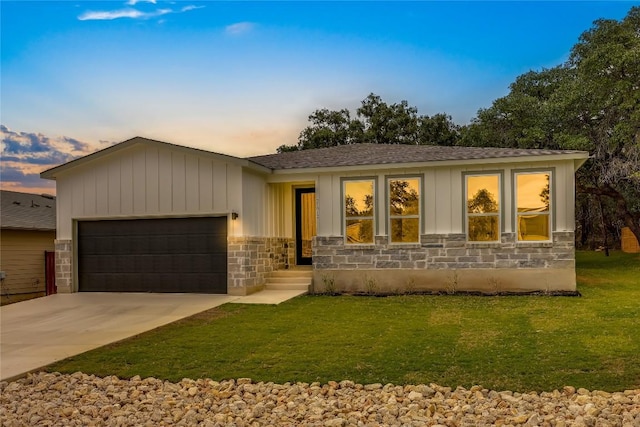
point(251, 259)
point(446, 261)
point(64, 266)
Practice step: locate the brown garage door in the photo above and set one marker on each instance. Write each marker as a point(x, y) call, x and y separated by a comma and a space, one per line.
point(153, 255)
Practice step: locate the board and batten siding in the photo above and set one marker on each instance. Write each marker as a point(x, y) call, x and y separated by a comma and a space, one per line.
point(147, 181)
point(22, 261)
point(254, 203)
point(442, 193)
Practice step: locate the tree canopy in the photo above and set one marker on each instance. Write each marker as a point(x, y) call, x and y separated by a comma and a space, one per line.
point(375, 122)
point(592, 103)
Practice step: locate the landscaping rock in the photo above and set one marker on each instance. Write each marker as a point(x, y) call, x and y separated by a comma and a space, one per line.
point(54, 399)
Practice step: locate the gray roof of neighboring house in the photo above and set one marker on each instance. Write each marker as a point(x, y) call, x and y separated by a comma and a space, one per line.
point(25, 211)
point(380, 154)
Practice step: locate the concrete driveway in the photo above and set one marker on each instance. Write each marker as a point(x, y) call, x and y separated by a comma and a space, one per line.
point(38, 332)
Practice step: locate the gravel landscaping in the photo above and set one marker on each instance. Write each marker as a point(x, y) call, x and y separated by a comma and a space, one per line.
point(52, 399)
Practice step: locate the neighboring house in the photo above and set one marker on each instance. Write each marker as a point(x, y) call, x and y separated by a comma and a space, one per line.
point(28, 229)
point(145, 215)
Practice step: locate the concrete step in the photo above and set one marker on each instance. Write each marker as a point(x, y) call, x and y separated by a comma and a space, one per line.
point(289, 279)
point(292, 273)
point(294, 279)
point(288, 286)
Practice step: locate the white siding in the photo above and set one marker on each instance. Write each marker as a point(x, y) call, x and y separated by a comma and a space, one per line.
point(192, 190)
point(565, 199)
point(147, 181)
point(219, 190)
point(165, 189)
point(101, 180)
point(114, 190)
point(150, 180)
point(126, 186)
point(179, 183)
point(430, 197)
point(139, 184)
point(151, 186)
point(328, 205)
point(205, 184)
point(254, 205)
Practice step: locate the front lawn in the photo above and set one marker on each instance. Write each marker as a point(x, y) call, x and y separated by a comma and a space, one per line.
point(518, 343)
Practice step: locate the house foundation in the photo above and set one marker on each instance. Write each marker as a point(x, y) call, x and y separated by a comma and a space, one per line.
point(448, 263)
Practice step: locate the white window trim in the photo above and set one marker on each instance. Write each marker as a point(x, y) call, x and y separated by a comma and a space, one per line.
point(548, 212)
point(467, 215)
point(388, 207)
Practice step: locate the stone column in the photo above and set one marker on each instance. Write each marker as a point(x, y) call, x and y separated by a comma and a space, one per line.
point(64, 266)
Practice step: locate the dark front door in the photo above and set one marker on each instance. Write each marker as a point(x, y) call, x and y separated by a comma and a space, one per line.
point(305, 224)
point(153, 255)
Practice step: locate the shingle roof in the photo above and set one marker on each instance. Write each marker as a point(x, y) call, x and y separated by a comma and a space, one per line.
point(380, 154)
point(24, 211)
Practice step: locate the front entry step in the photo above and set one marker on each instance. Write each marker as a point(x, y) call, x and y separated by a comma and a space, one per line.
point(294, 279)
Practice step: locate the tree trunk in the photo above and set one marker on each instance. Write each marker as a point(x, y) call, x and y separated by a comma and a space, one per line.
point(630, 219)
point(604, 228)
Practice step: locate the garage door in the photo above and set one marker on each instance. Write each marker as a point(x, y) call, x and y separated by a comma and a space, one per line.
point(153, 255)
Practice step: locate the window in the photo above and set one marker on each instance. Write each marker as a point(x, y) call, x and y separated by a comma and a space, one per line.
point(359, 211)
point(533, 202)
point(404, 210)
point(483, 208)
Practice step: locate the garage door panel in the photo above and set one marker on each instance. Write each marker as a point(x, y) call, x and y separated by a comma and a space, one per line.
point(139, 245)
point(153, 255)
point(125, 263)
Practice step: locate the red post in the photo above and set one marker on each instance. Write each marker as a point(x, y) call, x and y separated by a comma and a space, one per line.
point(50, 272)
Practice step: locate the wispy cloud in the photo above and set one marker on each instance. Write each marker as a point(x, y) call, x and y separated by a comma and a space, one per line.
point(121, 13)
point(239, 28)
point(131, 13)
point(191, 7)
point(134, 2)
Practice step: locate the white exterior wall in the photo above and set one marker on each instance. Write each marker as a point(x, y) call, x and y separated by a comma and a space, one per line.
point(280, 205)
point(254, 205)
point(148, 181)
point(279, 210)
point(444, 201)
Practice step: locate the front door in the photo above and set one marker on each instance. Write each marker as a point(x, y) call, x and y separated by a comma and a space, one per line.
point(305, 224)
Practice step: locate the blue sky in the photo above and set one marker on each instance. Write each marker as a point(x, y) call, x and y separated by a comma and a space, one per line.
point(242, 77)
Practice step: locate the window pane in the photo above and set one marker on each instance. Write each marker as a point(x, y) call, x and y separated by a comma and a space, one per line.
point(358, 198)
point(533, 227)
point(404, 196)
point(532, 192)
point(405, 230)
point(359, 231)
point(483, 229)
point(483, 194)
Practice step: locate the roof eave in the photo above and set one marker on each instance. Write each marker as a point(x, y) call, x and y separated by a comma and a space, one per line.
point(54, 172)
point(577, 163)
point(18, 228)
point(576, 156)
point(250, 164)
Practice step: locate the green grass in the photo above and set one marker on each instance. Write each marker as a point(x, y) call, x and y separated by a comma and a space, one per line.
point(518, 343)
